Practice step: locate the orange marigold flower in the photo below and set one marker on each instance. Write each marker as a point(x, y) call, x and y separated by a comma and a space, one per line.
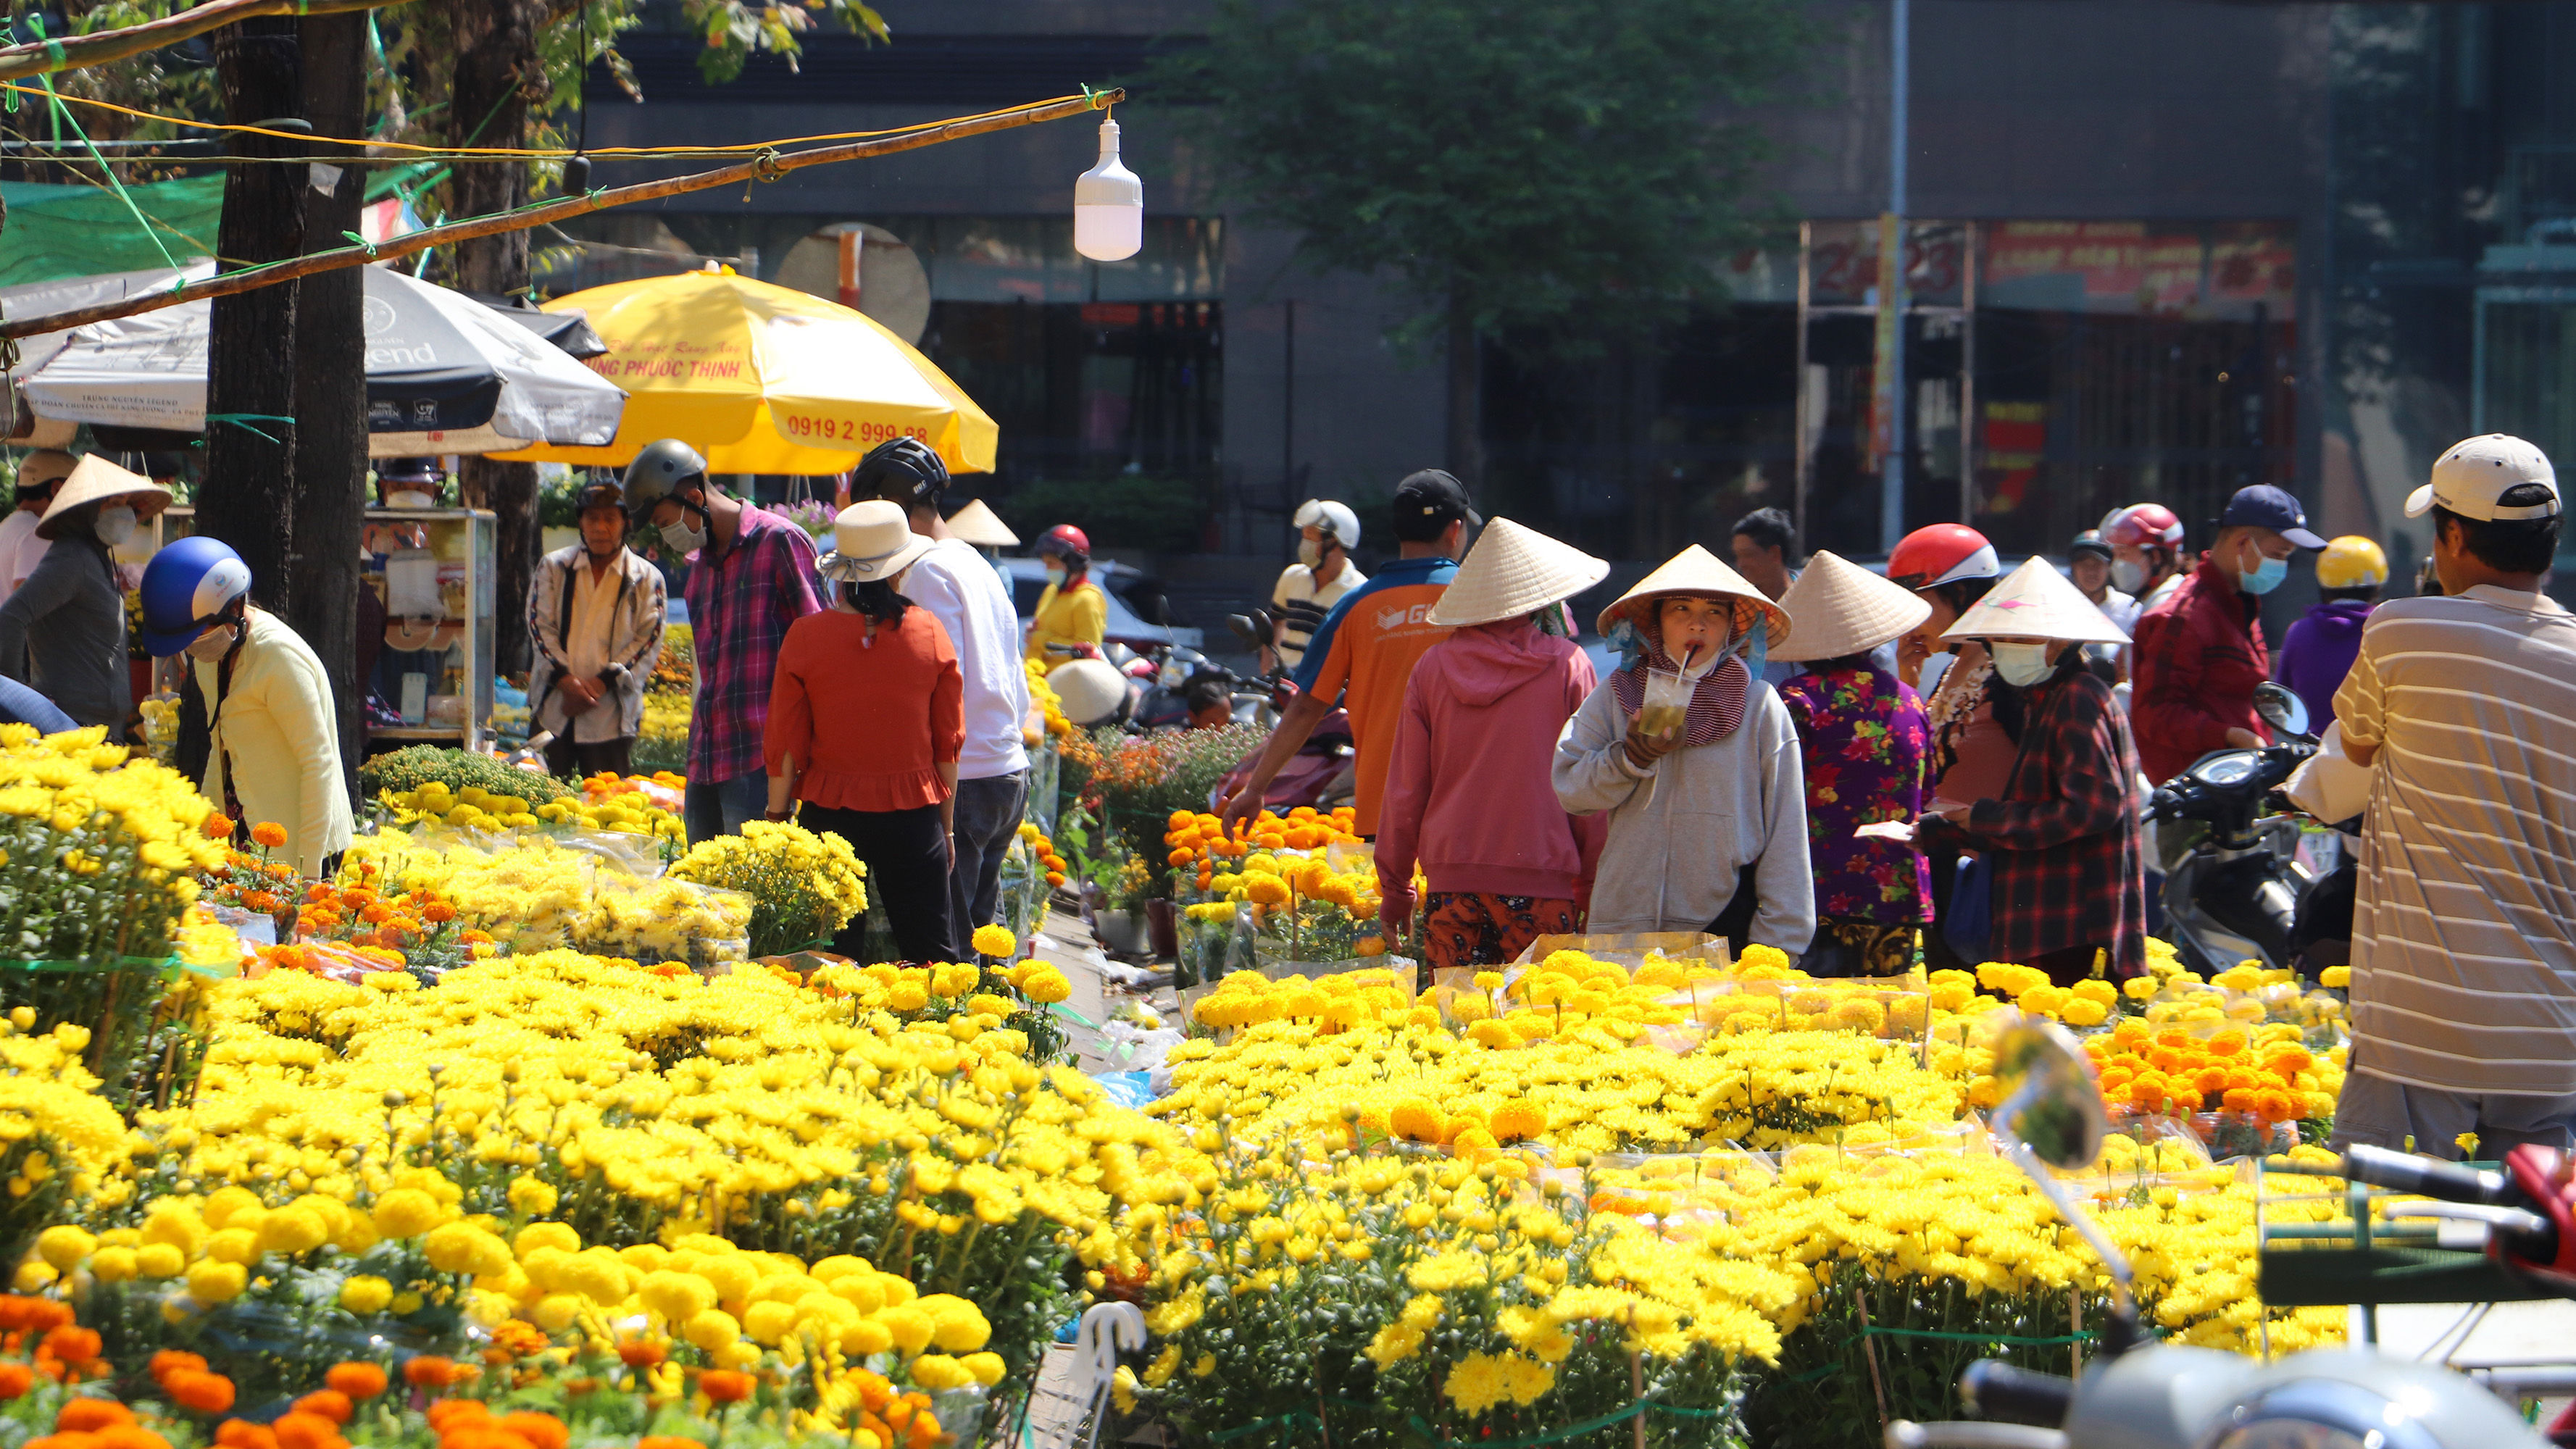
point(447, 1414)
point(438, 913)
point(544, 1431)
point(360, 1381)
point(667, 1441)
point(169, 1359)
point(430, 1371)
point(723, 1386)
point(269, 833)
point(306, 1431)
point(72, 1344)
point(91, 1415)
point(15, 1380)
point(330, 1404)
point(195, 1389)
point(217, 827)
point(243, 1434)
point(639, 1352)
point(130, 1436)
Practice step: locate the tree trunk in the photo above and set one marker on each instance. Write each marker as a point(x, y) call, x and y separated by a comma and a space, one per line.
point(331, 384)
point(250, 355)
point(1466, 384)
point(496, 68)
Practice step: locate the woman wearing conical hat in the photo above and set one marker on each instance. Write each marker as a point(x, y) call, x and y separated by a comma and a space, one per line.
point(1864, 737)
point(1467, 782)
point(2062, 839)
point(1707, 804)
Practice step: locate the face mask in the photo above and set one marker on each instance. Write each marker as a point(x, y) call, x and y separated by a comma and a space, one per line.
point(2021, 665)
point(1309, 552)
point(683, 538)
point(1055, 577)
point(410, 498)
point(115, 525)
point(2127, 575)
point(2266, 576)
point(213, 644)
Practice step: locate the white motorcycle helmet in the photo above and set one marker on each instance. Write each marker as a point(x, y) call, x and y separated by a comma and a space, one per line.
point(1335, 520)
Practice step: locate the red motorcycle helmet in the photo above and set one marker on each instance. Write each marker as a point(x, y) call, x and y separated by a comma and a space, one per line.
point(1067, 542)
point(1942, 553)
point(2142, 525)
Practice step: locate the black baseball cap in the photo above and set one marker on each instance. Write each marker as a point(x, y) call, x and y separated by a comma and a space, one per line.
point(1429, 501)
point(2264, 506)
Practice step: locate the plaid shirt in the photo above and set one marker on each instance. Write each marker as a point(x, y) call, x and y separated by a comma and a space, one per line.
point(2064, 836)
point(2198, 656)
point(740, 604)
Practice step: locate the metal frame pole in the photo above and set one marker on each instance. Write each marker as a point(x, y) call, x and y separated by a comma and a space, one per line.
point(1891, 501)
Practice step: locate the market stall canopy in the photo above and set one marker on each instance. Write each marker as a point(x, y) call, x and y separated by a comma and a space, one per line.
point(80, 231)
point(765, 379)
point(445, 374)
point(569, 331)
point(62, 294)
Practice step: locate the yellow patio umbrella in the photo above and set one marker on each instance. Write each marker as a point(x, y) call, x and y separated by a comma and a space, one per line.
point(764, 379)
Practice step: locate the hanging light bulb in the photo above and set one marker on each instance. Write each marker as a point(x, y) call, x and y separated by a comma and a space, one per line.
point(1108, 205)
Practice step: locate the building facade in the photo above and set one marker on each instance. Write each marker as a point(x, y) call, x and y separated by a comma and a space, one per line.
point(2157, 249)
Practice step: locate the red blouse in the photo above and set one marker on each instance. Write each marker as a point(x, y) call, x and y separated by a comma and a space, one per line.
point(870, 723)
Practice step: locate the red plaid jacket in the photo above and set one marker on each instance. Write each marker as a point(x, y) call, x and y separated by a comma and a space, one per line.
point(740, 604)
point(2064, 836)
point(2199, 655)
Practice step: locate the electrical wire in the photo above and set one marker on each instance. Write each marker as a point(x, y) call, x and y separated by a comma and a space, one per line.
point(521, 153)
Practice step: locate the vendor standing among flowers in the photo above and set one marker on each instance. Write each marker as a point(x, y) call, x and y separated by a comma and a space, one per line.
point(1708, 819)
point(865, 725)
point(1467, 789)
point(2067, 876)
point(595, 616)
point(1863, 736)
point(271, 732)
point(63, 631)
point(1975, 722)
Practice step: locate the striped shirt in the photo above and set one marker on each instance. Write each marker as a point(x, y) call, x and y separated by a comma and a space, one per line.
point(1301, 605)
point(2464, 934)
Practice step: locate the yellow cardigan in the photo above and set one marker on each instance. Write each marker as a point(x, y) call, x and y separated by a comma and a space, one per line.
point(1079, 615)
point(283, 737)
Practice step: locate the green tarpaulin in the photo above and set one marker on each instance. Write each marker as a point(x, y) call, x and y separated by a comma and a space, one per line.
point(79, 231)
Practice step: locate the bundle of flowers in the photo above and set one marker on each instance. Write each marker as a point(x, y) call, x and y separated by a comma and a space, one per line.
point(1133, 783)
point(417, 929)
point(636, 1107)
point(252, 882)
point(668, 919)
point(1447, 1300)
point(525, 896)
point(627, 805)
point(803, 886)
point(2246, 994)
point(1302, 888)
point(99, 857)
point(60, 1141)
point(403, 772)
point(1045, 703)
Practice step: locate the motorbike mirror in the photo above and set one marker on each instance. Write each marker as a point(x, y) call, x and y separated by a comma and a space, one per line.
point(2052, 1116)
point(1246, 631)
point(2281, 709)
point(2051, 1100)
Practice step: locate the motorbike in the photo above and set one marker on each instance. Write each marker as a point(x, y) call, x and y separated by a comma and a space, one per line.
point(2234, 888)
point(1321, 773)
point(2171, 1397)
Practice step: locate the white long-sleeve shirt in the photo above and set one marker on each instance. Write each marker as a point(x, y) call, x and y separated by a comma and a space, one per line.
point(964, 593)
point(1672, 860)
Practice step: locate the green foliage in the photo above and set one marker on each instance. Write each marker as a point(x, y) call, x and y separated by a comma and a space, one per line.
point(1565, 167)
point(1127, 510)
point(406, 770)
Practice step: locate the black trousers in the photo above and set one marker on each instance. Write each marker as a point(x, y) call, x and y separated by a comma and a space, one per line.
point(906, 853)
point(568, 760)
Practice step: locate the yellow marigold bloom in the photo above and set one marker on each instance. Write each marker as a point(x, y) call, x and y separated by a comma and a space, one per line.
point(995, 941)
point(211, 1282)
point(1046, 986)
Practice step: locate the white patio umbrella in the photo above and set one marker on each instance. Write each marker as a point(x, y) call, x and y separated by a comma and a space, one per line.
point(445, 374)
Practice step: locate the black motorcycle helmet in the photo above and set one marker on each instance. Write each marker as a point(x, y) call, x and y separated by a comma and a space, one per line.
point(663, 468)
point(901, 470)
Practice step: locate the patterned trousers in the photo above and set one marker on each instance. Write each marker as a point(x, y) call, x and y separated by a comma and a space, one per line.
point(1476, 928)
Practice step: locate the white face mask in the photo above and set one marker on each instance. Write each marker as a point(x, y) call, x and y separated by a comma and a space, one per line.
point(2127, 575)
point(682, 537)
point(1309, 552)
point(213, 644)
point(115, 525)
point(2022, 665)
point(1055, 576)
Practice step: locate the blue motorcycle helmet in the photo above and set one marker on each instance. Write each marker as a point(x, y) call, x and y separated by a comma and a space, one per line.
point(188, 584)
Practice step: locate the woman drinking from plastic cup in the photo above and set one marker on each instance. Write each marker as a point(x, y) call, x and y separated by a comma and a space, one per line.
point(1708, 823)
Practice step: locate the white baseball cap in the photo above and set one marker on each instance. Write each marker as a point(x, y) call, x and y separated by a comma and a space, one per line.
point(2475, 472)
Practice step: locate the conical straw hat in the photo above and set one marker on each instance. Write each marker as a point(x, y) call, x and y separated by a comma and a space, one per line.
point(1697, 571)
point(981, 526)
point(96, 480)
point(1836, 607)
point(1513, 571)
point(2035, 601)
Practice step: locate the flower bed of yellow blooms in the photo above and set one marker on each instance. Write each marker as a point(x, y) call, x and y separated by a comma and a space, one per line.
point(1500, 1208)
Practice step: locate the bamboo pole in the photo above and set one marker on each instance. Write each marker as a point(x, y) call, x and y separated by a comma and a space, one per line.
point(768, 166)
point(74, 52)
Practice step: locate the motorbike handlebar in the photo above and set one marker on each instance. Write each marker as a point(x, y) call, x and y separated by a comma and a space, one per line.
point(2405, 1172)
point(2000, 1391)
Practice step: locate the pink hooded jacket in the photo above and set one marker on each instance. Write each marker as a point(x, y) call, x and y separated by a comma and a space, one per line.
point(1467, 788)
